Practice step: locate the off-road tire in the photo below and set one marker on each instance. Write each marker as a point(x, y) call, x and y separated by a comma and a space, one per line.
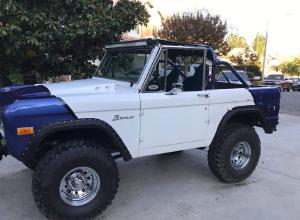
point(219, 153)
point(63, 158)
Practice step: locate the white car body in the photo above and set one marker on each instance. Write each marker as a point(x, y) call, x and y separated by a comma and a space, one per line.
point(71, 133)
point(144, 117)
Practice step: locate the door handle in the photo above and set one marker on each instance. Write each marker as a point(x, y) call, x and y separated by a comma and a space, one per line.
point(203, 95)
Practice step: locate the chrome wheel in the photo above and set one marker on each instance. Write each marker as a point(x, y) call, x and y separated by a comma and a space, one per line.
point(79, 186)
point(240, 155)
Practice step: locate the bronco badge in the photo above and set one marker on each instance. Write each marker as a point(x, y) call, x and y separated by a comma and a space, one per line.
point(118, 117)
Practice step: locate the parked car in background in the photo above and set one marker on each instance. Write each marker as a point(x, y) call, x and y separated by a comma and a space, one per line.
point(256, 78)
point(296, 84)
point(278, 80)
point(228, 76)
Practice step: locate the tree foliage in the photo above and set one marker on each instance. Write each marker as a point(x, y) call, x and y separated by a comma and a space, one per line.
point(259, 44)
point(200, 27)
point(247, 57)
point(236, 41)
point(247, 60)
point(61, 36)
point(291, 67)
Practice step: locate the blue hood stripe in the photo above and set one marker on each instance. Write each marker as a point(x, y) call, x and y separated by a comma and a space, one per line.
point(11, 93)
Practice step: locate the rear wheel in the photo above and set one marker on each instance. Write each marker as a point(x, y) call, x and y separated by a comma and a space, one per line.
point(76, 180)
point(234, 153)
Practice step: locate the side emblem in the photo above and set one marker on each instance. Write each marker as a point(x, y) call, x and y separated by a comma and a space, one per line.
point(118, 117)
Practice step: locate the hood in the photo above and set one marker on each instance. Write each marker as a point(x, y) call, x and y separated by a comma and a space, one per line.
point(11, 93)
point(94, 85)
point(79, 87)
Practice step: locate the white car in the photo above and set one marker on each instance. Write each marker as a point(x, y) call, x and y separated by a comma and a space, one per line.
point(71, 133)
point(229, 77)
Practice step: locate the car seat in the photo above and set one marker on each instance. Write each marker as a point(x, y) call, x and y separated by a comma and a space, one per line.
point(171, 78)
point(194, 83)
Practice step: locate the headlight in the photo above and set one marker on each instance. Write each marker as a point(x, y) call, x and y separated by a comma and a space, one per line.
point(2, 130)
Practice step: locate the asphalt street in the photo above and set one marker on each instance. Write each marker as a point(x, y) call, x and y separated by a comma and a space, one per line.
point(181, 186)
point(290, 103)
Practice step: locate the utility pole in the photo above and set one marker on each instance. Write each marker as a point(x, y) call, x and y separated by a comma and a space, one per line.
point(265, 53)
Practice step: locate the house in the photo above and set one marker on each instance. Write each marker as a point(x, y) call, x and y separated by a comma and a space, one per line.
point(151, 30)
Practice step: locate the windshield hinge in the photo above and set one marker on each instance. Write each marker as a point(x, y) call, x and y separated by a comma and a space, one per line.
point(142, 112)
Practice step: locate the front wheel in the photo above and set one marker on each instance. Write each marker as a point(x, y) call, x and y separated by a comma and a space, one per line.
point(234, 153)
point(76, 180)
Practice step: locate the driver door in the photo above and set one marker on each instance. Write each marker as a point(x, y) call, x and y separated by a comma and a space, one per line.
point(173, 121)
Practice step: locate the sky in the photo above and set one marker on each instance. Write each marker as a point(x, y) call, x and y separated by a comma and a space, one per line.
point(247, 17)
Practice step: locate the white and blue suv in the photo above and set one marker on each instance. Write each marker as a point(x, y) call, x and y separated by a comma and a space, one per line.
point(147, 97)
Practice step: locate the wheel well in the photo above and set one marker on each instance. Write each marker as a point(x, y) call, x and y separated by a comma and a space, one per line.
point(91, 134)
point(246, 118)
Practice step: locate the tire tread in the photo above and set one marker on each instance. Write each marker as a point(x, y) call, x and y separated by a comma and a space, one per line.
point(64, 150)
point(216, 155)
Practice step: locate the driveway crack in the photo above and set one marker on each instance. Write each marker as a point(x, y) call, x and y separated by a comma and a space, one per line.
point(281, 174)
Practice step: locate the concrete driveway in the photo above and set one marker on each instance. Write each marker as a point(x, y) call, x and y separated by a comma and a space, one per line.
point(180, 186)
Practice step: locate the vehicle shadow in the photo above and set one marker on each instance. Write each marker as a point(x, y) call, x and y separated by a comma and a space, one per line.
point(146, 184)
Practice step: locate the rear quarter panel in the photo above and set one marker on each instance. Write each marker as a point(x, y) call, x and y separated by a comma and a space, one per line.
point(222, 101)
point(266, 98)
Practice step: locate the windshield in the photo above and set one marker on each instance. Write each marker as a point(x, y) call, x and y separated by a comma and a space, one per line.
point(275, 77)
point(124, 65)
point(232, 77)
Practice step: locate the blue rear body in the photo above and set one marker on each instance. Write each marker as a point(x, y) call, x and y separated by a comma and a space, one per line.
point(267, 99)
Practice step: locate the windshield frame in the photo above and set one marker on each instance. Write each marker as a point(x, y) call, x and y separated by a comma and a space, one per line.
point(138, 84)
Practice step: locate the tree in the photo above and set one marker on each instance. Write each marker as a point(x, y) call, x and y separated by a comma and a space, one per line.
point(259, 45)
point(236, 41)
point(247, 60)
point(61, 36)
point(200, 27)
point(291, 67)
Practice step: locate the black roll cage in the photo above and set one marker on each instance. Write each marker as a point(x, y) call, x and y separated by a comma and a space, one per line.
point(165, 45)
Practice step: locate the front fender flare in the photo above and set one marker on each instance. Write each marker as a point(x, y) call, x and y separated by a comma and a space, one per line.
point(33, 146)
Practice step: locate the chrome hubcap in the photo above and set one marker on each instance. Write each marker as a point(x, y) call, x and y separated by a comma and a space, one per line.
point(79, 186)
point(240, 155)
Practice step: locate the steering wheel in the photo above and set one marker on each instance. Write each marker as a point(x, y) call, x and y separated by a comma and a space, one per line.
point(175, 67)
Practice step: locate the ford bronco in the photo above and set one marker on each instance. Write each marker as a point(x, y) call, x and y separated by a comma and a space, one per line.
point(147, 97)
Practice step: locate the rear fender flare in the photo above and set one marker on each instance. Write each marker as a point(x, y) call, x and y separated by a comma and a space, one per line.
point(242, 111)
